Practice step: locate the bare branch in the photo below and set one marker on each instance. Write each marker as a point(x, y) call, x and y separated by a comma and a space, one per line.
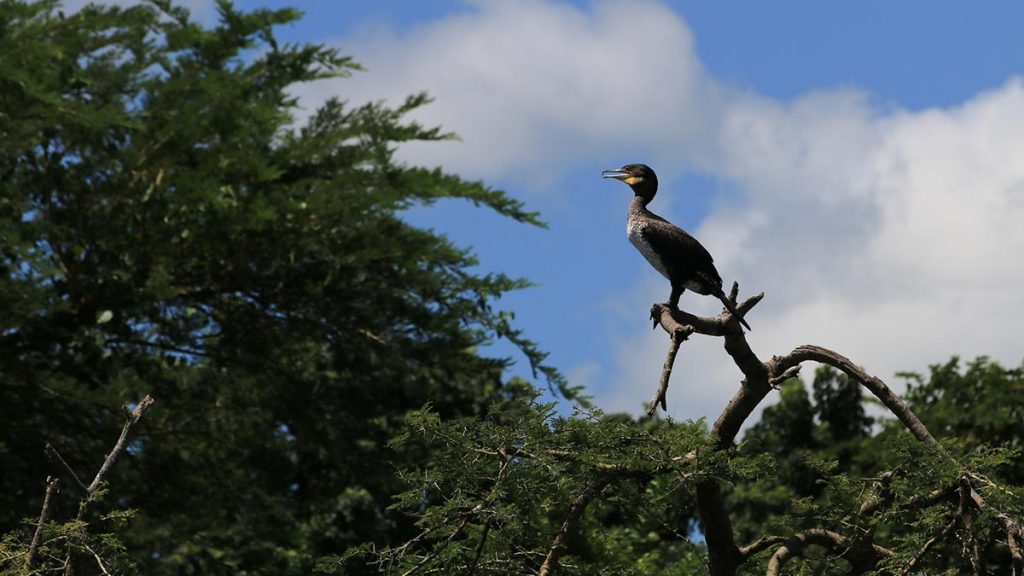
point(571, 519)
point(724, 556)
point(872, 383)
point(678, 336)
point(52, 488)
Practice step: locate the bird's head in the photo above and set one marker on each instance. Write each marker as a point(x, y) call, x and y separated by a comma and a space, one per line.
point(640, 178)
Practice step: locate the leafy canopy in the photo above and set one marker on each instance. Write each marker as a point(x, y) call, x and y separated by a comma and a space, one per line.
point(171, 224)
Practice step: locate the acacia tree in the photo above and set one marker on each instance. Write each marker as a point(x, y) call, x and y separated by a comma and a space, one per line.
point(811, 490)
point(170, 224)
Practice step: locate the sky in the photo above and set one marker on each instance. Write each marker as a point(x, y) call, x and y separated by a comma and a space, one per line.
point(860, 163)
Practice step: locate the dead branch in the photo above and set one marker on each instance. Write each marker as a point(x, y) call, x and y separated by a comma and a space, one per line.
point(779, 365)
point(52, 488)
point(571, 519)
point(678, 336)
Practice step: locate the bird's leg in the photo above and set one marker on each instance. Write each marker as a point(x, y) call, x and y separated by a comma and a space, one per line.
point(673, 300)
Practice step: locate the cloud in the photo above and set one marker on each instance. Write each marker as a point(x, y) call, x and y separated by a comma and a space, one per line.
point(532, 86)
point(891, 236)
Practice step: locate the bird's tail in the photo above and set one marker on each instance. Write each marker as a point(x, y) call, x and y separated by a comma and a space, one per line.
point(732, 308)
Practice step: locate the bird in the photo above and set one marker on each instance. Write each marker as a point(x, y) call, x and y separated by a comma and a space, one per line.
point(678, 256)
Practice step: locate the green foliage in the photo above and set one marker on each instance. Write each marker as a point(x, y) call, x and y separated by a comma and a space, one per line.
point(498, 490)
point(168, 225)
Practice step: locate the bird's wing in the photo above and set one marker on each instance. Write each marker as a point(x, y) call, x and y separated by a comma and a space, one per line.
point(685, 255)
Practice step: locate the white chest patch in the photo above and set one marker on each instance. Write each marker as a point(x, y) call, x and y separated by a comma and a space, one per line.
point(634, 231)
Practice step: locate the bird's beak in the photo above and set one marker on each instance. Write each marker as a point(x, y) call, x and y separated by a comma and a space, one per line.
point(617, 174)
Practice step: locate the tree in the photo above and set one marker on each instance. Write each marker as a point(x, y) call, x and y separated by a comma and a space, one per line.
point(810, 489)
point(170, 226)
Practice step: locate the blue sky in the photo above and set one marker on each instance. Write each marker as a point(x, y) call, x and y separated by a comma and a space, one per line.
point(861, 163)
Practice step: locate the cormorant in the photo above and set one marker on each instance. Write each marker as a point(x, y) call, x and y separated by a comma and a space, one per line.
point(677, 255)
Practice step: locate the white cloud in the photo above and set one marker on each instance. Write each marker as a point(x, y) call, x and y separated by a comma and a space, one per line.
point(532, 86)
point(894, 237)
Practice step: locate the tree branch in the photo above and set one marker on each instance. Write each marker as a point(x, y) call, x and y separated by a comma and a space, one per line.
point(571, 519)
point(678, 336)
point(927, 545)
point(132, 420)
point(52, 488)
point(762, 543)
point(796, 544)
point(723, 554)
point(759, 379)
point(54, 455)
point(877, 387)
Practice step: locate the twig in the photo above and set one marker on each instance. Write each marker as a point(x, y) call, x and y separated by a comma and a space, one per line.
point(54, 455)
point(571, 519)
point(52, 488)
point(678, 335)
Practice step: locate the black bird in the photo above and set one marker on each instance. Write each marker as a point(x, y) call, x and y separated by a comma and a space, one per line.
point(673, 252)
